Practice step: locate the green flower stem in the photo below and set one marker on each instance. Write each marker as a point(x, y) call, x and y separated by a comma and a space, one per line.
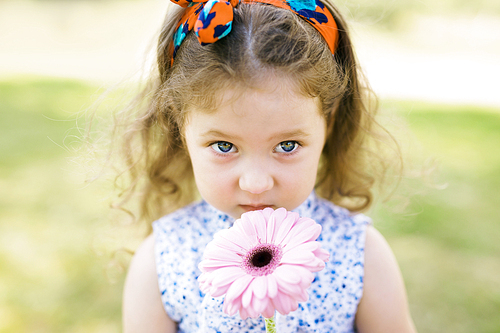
point(270, 325)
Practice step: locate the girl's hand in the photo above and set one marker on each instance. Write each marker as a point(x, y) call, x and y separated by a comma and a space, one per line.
point(383, 307)
point(142, 306)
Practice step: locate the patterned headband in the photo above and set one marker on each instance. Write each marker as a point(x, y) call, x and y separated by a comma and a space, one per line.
point(211, 20)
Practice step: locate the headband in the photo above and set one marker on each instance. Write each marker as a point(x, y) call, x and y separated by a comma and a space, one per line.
point(211, 20)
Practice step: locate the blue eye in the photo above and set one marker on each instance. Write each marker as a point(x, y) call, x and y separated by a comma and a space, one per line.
point(287, 146)
point(223, 147)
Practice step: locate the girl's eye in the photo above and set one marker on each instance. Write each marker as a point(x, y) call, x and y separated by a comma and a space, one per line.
point(223, 147)
point(287, 146)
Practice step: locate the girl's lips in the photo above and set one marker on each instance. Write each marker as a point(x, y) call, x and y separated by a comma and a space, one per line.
point(249, 208)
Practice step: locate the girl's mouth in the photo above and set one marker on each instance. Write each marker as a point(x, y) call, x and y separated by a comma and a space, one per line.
point(249, 208)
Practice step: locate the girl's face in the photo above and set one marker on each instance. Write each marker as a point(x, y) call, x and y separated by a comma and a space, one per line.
point(259, 148)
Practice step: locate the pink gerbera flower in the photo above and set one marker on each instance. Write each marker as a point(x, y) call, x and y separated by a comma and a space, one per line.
point(264, 262)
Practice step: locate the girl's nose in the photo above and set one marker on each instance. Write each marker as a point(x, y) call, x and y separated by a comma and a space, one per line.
point(256, 181)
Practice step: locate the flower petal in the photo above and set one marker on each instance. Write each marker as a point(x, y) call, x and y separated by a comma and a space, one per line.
point(278, 303)
point(272, 225)
point(259, 286)
point(285, 227)
point(284, 304)
point(252, 313)
point(246, 298)
point(297, 257)
point(244, 313)
point(246, 227)
point(238, 287)
point(294, 304)
point(205, 287)
point(303, 231)
point(240, 235)
point(260, 225)
point(218, 291)
point(291, 276)
point(222, 244)
point(259, 305)
point(227, 275)
point(303, 247)
point(274, 222)
point(316, 266)
point(231, 306)
point(211, 264)
point(216, 253)
point(203, 277)
point(307, 235)
point(303, 297)
point(287, 274)
point(267, 212)
point(288, 289)
point(322, 254)
point(233, 235)
point(269, 310)
point(272, 286)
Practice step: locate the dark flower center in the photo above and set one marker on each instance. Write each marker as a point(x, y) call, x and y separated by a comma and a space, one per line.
point(262, 258)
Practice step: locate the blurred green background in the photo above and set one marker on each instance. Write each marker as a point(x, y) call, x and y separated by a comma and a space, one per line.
point(58, 268)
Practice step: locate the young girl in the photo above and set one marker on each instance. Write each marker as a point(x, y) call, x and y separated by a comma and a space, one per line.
point(257, 103)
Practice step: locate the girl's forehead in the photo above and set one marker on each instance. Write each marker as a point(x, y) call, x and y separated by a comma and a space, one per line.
point(266, 90)
point(259, 113)
point(254, 103)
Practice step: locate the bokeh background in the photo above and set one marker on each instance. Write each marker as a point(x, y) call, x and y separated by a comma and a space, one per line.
point(434, 64)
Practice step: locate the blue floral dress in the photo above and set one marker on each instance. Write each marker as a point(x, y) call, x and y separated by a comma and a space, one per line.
point(181, 237)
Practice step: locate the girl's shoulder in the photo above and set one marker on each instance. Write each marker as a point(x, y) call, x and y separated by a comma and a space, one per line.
point(384, 294)
point(142, 307)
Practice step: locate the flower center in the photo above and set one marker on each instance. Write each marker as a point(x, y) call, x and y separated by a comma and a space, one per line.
point(262, 259)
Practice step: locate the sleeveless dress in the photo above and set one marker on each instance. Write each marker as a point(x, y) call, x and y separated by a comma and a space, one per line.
point(181, 238)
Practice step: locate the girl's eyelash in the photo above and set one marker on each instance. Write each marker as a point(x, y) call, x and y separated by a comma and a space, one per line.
point(222, 147)
point(294, 149)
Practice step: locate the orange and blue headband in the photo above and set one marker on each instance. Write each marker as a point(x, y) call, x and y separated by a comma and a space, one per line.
point(211, 20)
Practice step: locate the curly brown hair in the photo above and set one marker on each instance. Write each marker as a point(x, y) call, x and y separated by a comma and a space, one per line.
point(263, 39)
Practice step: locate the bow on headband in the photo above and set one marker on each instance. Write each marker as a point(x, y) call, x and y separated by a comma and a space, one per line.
point(211, 20)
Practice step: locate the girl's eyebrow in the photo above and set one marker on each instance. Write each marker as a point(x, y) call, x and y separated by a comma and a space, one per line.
point(215, 133)
point(291, 134)
point(277, 136)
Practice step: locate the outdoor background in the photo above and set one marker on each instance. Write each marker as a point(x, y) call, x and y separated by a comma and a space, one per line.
point(435, 65)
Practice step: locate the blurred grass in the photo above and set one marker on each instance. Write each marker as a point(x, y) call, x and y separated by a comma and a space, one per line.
point(53, 276)
point(447, 239)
